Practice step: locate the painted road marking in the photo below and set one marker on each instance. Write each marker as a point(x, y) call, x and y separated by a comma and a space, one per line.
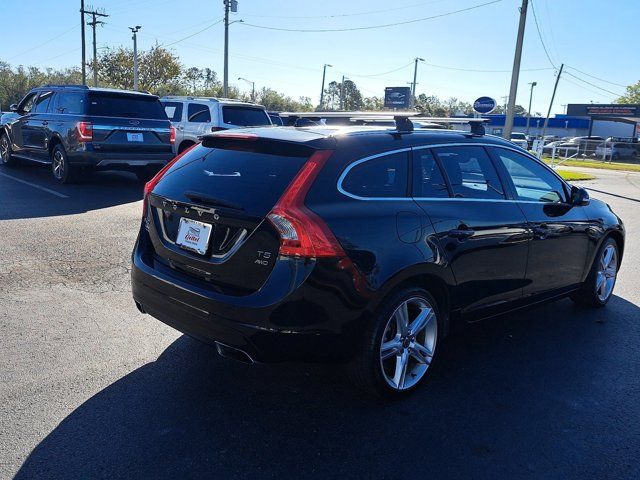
point(39, 187)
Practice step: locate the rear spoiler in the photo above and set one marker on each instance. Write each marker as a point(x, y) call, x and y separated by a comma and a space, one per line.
point(403, 120)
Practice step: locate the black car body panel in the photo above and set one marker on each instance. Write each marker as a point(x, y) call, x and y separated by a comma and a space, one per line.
point(481, 256)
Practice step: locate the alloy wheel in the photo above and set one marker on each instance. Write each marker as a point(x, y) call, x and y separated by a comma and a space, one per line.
point(58, 164)
point(408, 343)
point(4, 149)
point(607, 271)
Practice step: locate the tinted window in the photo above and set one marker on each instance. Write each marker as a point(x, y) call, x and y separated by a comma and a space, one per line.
point(43, 102)
point(531, 180)
point(173, 110)
point(246, 117)
point(470, 172)
point(381, 177)
point(103, 104)
point(252, 179)
point(71, 103)
point(518, 136)
point(198, 113)
point(428, 180)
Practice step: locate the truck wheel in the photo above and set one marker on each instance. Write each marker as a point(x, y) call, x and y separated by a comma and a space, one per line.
point(62, 171)
point(6, 158)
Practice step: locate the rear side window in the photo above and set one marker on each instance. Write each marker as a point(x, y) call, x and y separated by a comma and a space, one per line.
point(173, 110)
point(532, 181)
point(427, 177)
point(382, 177)
point(198, 113)
point(244, 116)
point(71, 103)
point(43, 102)
point(470, 172)
point(104, 104)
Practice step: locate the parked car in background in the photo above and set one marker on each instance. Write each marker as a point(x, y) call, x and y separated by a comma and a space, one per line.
point(520, 139)
point(275, 118)
point(362, 244)
point(196, 116)
point(74, 129)
point(616, 150)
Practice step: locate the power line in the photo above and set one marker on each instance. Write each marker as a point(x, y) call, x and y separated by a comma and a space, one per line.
point(376, 74)
point(595, 92)
point(370, 27)
point(486, 71)
point(43, 43)
point(594, 85)
point(341, 15)
point(193, 34)
point(546, 52)
point(597, 78)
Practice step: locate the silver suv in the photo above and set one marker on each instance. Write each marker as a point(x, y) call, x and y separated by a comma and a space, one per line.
point(193, 117)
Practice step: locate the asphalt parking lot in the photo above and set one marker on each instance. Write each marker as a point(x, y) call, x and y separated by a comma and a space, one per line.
point(90, 388)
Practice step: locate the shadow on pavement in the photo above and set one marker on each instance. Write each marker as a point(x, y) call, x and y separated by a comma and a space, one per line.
point(91, 192)
point(539, 394)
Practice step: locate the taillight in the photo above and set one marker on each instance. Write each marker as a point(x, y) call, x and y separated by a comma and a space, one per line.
point(172, 134)
point(85, 131)
point(150, 185)
point(302, 232)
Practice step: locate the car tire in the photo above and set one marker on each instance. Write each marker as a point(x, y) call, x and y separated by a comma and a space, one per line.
point(598, 288)
point(6, 157)
point(62, 171)
point(394, 359)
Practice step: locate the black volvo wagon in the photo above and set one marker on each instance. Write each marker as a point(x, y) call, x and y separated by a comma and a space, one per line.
point(362, 245)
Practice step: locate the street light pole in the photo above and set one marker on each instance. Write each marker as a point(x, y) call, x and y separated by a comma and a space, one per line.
point(342, 102)
point(324, 72)
point(135, 55)
point(415, 75)
point(84, 60)
point(533, 84)
point(253, 87)
point(225, 83)
point(508, 124)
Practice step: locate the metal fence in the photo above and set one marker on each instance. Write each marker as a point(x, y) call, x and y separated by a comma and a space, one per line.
point(604, 151)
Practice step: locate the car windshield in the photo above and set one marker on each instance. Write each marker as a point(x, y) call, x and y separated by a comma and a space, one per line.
point(518, 136)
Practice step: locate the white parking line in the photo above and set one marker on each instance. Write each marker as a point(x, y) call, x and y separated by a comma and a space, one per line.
point(44, 189)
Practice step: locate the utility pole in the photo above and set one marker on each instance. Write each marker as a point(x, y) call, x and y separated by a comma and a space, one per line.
point(342, 102)
point(93, 24)
point(135, 55)
point(253, 88)
point(533, 84)
point(553, 96)
point(324, 72)
point(84, 68)
point(508, 124)
point(229, 5)
point(415, 75)
point(504, 102)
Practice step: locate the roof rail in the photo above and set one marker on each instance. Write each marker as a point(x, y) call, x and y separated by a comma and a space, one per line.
point(403, 119)
point(65, 86)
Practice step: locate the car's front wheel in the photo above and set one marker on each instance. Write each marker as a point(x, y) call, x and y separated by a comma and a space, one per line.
point(598, 287)
point(6, 158)
point(62, 171)
point(399, 345)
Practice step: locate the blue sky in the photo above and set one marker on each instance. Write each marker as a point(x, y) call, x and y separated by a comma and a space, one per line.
point(595, 37)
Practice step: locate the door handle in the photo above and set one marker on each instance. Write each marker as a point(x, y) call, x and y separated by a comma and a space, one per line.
point(461, 233)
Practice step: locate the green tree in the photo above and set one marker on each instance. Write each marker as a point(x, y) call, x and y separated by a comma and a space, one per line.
point(352, 97)
point(632, 95)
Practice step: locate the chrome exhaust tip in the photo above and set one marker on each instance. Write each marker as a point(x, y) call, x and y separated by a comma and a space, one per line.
point(234, 353)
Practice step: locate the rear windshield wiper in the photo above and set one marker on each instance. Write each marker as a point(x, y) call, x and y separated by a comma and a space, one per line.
point(211, 201)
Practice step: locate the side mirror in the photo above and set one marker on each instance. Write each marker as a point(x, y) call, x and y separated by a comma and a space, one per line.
point(13, 107)
point(579, 197)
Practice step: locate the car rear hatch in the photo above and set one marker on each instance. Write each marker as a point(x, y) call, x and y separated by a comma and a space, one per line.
point(128, 123)
point(227, 191)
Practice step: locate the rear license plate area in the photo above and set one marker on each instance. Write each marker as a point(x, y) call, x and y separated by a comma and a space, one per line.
point(194, 235)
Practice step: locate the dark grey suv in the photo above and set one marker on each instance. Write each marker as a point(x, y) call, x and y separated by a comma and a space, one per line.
point(75, 128)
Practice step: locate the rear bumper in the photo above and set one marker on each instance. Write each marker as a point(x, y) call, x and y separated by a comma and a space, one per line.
point(286, 320)
point(120, 161)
